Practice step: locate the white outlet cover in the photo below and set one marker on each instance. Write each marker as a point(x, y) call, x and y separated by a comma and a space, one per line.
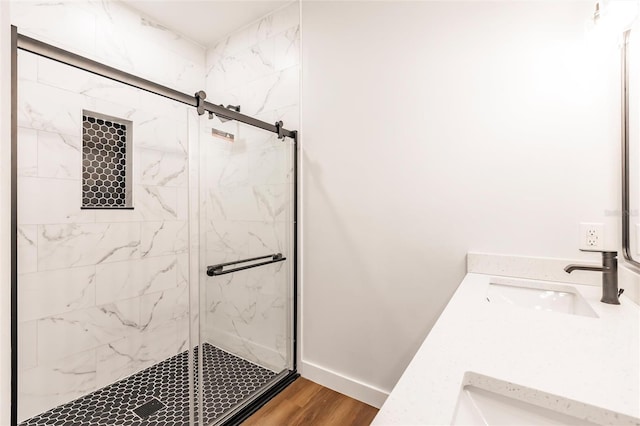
point(595, 229)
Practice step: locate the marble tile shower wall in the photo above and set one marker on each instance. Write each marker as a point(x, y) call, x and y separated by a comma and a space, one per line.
point(102, 293)
point(109, 32)
point(247, 188)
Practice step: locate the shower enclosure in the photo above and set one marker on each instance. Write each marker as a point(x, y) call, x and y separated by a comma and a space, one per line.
point(154, 277)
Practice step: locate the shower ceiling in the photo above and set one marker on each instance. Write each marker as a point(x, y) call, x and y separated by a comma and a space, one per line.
point(205, 22)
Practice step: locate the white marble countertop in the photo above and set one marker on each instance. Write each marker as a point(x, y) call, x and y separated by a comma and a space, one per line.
point(592, 360)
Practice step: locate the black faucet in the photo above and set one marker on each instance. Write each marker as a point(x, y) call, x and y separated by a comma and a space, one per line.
point(609, 271)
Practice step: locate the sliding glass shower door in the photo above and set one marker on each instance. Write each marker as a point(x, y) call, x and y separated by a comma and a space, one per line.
point(103, 251)
point(156, 253)
point(246, 222)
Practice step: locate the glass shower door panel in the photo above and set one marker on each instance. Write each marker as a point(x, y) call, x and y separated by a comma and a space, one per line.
point(247, 212)
point(103, 260)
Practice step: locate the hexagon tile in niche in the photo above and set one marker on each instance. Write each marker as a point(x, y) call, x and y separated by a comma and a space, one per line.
point(227, 380)
point(105, 169)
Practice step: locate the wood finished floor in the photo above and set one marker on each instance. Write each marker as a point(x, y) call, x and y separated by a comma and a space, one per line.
point(306, 403)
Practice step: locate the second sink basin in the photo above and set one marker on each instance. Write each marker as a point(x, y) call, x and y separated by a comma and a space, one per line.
point(541, 296)
point(485, 400)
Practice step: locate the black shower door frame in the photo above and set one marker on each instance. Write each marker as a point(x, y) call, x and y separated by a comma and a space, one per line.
point(28, 44)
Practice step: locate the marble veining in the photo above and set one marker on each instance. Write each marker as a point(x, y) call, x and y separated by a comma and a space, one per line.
point(61, 246)
point(54, 292)
point(27, 248)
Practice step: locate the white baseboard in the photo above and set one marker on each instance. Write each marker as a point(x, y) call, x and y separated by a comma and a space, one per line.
point(343, 384)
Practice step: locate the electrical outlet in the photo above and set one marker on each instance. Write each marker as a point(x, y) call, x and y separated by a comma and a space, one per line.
point(592, 236)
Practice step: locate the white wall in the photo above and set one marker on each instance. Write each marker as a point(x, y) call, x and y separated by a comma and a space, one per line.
point(5, 214)
point(431, 129)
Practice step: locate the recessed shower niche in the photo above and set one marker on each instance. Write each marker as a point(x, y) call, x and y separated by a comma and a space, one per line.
point(106, 168)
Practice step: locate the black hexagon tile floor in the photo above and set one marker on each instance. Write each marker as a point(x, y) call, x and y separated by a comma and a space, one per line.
point(227, 381)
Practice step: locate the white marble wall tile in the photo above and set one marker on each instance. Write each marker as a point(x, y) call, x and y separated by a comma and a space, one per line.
point(283, 19)
point(270, 237)
point(272, 92)
point(27, 66)
point(162, 238)
point(160, 168)
point(60, 23)
point(27, 152)
point(43, 107)
point(112, 46)
point(271, 165)
point(44, 294)
point(256, 96)
point(72, 79)
point(159, 132)
point(183, 268)
point(237, 203)
point(160, 106)
point(286, 48)
point(182, 208)
point(113, 109)
point(149, 203)
point(172, 41)
point(59, 156)
point(64, 246)
point(44, 201)
point(123, 280)
point(249, 64)
point(162, 308)
point(127, 356)
point(273, 202)
point(228, 171)
point(230, 237)
point(236, 41)
point(73, 332)
point(215, 75)
point(218, 293)
point(155, 202)
point(27, 248)
point(147, 59)
point(28, 350)
point(186, 76)
point(256, 139)
point(187, 334)
point(290, 116)
point(47, 386)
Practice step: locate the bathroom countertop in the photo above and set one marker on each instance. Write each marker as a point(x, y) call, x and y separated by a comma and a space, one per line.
point(592, 360)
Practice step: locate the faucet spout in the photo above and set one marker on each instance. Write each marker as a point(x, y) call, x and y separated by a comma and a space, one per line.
point(570, 268)
point(609, 269)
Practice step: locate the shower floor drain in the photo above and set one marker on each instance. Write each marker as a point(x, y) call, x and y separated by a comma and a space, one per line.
point(159, 395)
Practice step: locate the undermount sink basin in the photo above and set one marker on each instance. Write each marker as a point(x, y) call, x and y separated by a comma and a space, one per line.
point(485, 400)
point(541, 296)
